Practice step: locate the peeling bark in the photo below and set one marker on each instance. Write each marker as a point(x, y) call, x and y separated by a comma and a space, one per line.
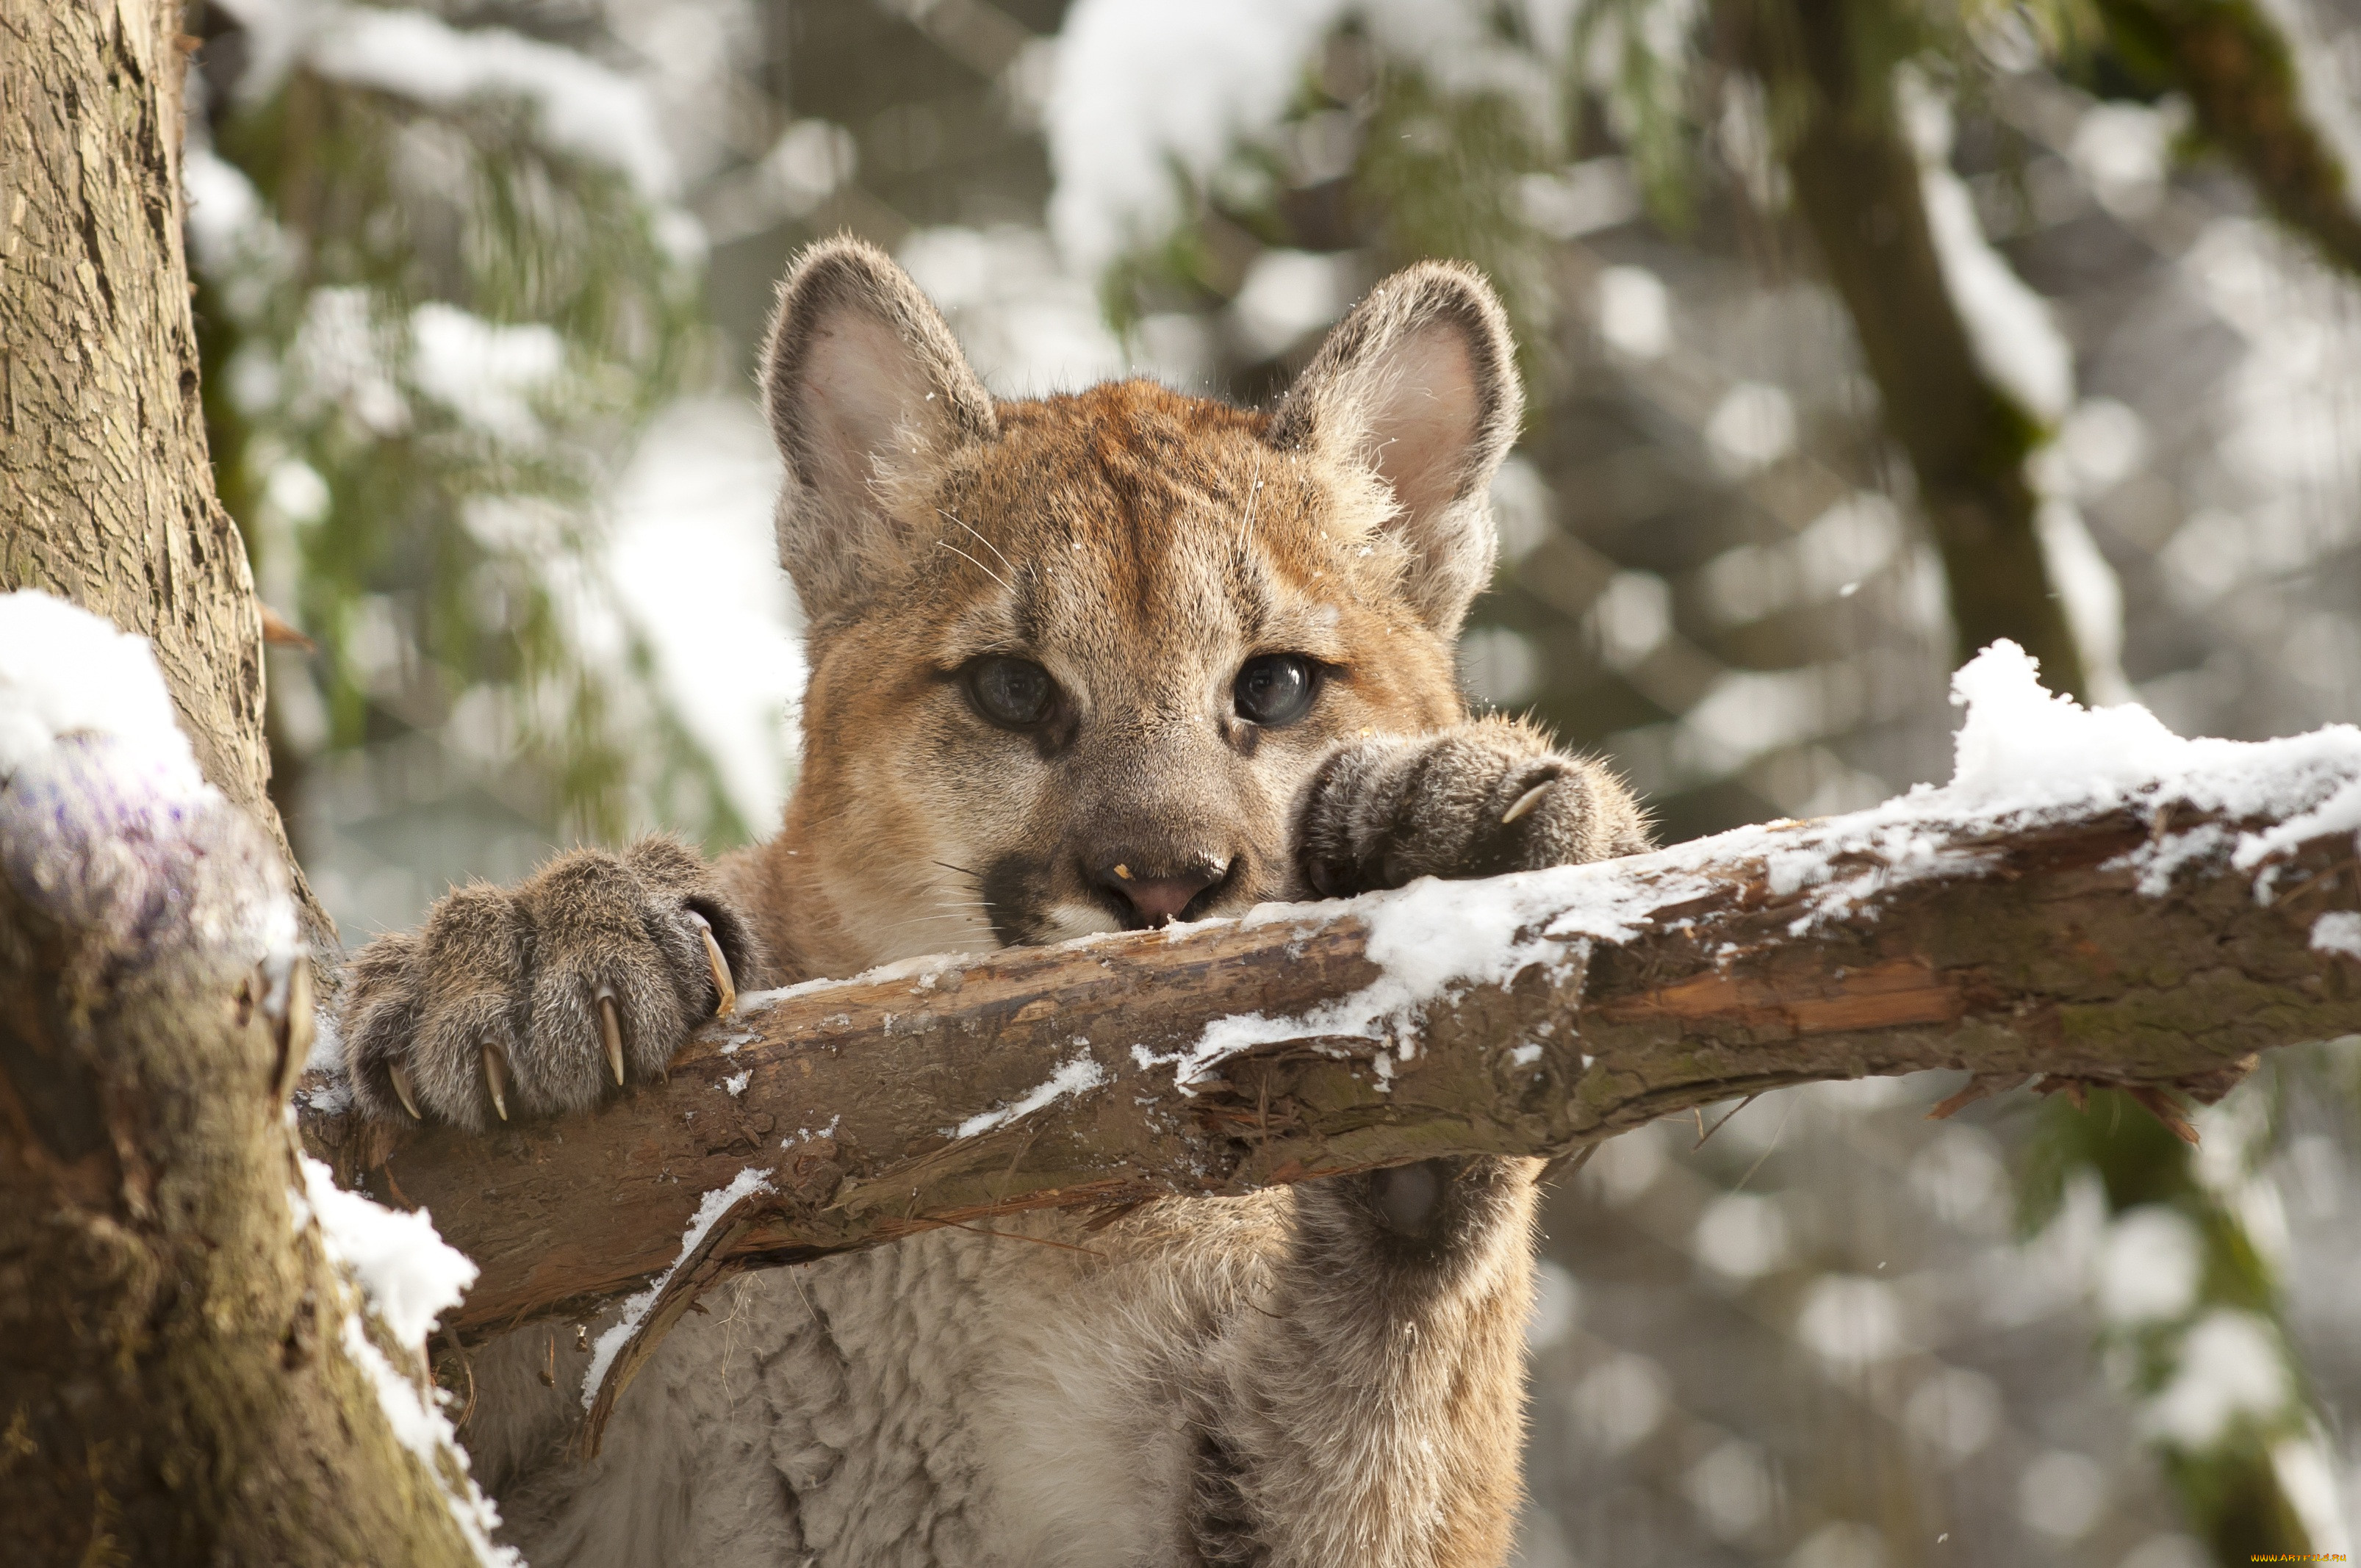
point(2015, 955)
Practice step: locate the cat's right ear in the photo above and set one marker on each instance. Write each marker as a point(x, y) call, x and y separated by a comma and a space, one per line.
point(865, 389)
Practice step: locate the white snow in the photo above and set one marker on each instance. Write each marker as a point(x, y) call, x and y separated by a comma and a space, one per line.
point(2024, 756)
point(429, 1435)
point(1635, 314)
point(1140, 87)
point(407, 1271)
point(2230, 1366)
point(2324, 85)
point(1289, 293)
point(582, 106)
point(1141, 90)
point(2338, 931)
point(709, 1210)
point(2149, 1268)
point(2092, 592)
point(1076, 1075)
point(693, 561)
point(64, 671)
point(737, 1081)
point(2307, 1475)
point(807, 1135)
point(483, 371)
point(2009, 326)
point(408, 1277)
point(1753, 427)
point(1030, 324)
point(1429, 939)
point(2123, 151)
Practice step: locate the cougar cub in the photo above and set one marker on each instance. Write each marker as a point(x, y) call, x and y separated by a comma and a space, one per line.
point(1078, 664)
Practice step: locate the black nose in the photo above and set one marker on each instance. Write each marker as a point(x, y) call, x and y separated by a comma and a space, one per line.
point(1157, 892)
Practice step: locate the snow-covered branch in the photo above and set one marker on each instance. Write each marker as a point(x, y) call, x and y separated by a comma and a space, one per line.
point(2091, 899)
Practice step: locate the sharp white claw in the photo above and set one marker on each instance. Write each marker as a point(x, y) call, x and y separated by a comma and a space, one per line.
point(719, 965)
point(402, 1086)
point(610, 1030)
point(1526, 802)
point(496, 1074)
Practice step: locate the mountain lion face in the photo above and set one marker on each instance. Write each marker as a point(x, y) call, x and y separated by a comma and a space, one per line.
point(1074, 661)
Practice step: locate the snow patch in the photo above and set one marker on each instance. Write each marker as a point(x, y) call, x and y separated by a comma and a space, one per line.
point(582, 107)
point(2338, 931)
point(429, 1435)
point(408, 1277)
point(709, 1210)
point(409, 1273)
point(484, 372)
point(807, 1135)
point(2015, 338)
point(1432, 938)
point(737, 1081)
point(1075, 1077)
point(64, 671)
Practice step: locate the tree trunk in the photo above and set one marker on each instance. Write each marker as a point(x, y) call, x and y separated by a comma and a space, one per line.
point(1078, 1077)
point(106, 497)
point(1857, 183)
point(177, 1382)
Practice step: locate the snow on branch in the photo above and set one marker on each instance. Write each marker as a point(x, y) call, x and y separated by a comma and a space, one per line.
point(2092, 900)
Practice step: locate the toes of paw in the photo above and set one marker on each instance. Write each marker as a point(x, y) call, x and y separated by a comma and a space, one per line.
point(613, 1013)
point(458, 1066)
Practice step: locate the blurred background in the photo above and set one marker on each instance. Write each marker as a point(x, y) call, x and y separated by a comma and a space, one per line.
point(1857, 334)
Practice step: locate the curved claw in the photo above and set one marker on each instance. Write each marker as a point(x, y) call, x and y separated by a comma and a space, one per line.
point(1526, 802)
point(496, 1074)
point(719, 965)
point(610, 1030)
point(402, 1086)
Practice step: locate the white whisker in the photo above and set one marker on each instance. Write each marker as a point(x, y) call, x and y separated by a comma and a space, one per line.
point(976, 563)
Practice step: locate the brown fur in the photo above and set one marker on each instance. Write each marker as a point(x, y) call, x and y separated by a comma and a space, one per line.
point(1350, 1390)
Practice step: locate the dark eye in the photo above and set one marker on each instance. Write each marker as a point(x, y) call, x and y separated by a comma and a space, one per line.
point(1276, 690)
point(1017, 693)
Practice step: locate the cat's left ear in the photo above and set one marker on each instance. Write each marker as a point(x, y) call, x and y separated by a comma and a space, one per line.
point(1419, 385)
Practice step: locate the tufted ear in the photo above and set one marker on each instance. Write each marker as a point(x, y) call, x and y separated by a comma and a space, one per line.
point(1419, 385)
point(864, 385)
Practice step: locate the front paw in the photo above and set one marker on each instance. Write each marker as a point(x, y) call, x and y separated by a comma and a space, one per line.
point(534, 1001)
point(1475, 800)
point(1416, 1214)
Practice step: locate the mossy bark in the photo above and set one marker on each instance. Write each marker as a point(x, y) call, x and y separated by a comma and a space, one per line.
point(174, 1382)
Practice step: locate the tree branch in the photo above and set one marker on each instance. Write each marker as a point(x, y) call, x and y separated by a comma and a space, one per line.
point(1117, 1069)
point(2244, 82)
point(1859, 188)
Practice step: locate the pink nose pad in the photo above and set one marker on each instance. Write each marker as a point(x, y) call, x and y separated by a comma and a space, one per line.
point(1158, 898)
